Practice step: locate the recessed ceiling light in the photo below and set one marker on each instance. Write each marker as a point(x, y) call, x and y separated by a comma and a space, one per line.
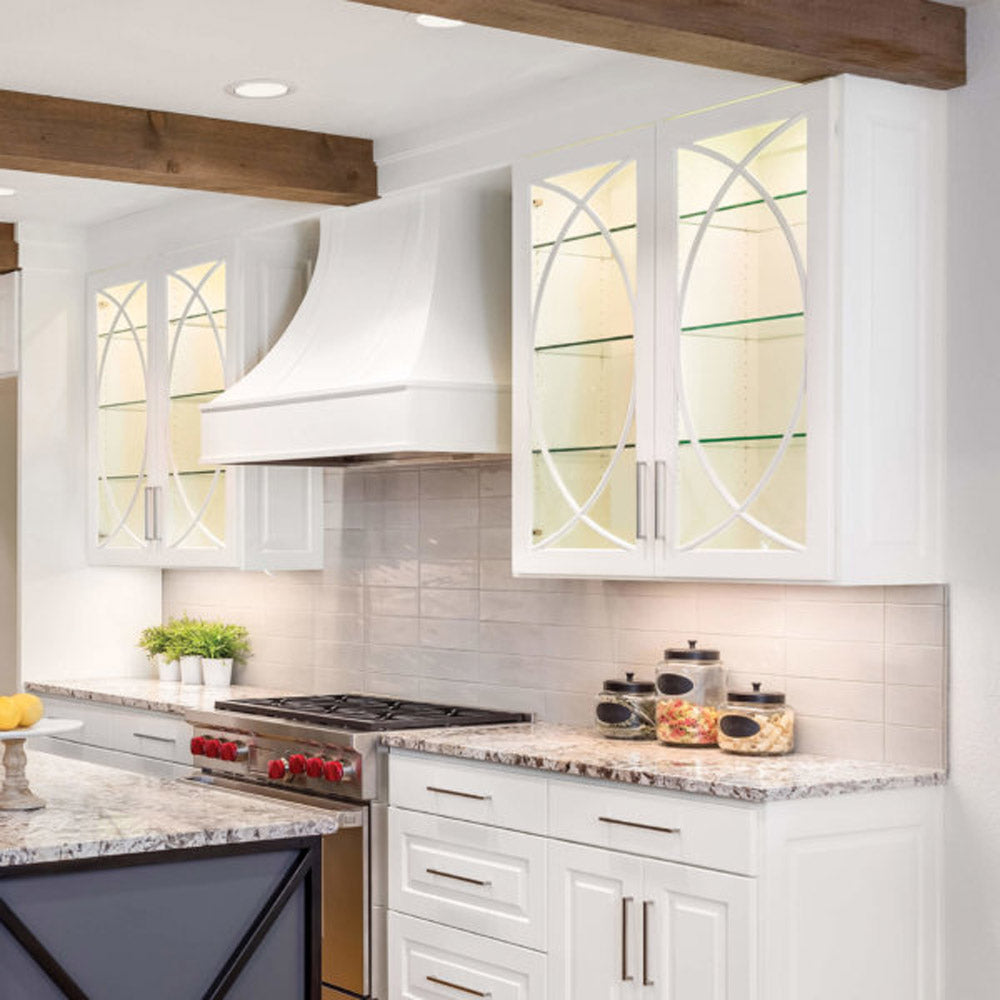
point(7, 192)
point(433, 21)
point(259, 88)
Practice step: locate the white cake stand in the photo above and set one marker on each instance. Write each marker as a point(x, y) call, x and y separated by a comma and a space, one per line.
point(15, 793)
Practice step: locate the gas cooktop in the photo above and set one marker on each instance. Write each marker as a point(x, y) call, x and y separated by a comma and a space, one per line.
point(368, 713)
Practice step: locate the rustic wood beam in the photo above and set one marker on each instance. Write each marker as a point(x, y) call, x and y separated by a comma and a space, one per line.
point(55, 135)
point(8, 248)
point(909, 41)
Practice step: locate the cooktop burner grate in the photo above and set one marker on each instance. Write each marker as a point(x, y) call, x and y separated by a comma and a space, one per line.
point(367, 713)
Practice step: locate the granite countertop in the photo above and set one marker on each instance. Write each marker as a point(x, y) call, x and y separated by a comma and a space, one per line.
point(95, 811)
point(149, 694)
point(582, 752)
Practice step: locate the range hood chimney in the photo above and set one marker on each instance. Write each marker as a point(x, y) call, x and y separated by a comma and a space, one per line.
point(400, 350)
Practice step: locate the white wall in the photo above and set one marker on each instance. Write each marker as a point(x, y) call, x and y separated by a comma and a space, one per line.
point(973, 814)
point(8, 535)
point(75, 620)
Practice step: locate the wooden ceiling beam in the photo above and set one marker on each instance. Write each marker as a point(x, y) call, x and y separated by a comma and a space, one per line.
point(55, 135)
point(909, 41)
point(8, 248)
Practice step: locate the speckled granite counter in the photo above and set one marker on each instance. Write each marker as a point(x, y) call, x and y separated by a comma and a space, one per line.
point(578, 751)
point(151, 695)
point(96, 811)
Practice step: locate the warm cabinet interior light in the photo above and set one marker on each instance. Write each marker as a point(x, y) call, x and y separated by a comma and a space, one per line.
point(259, 88)
point(7, 192)
point(433, 21)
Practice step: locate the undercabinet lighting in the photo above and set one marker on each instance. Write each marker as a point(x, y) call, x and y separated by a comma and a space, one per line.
point(259, 88)
point(7, 192)
point(433, 21)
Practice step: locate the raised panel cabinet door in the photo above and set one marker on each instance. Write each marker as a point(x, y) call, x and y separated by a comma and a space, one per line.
point(594, 906)
point(697, 934)
point(583, 321)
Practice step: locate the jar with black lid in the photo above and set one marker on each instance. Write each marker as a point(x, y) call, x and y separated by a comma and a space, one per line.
point(626, 709)
point(690, 691)
point(757, 723)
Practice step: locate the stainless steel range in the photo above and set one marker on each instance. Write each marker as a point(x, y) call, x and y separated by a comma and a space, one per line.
point(324, 750)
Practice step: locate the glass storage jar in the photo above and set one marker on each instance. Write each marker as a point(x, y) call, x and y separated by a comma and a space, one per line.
point(690, 691)
point(626, 709)
point(758, 723)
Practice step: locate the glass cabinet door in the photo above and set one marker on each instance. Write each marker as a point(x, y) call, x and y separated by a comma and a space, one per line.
point(587, 323)
point(740, 204)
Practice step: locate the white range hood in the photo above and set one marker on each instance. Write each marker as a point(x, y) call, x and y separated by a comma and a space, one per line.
point(400, 350)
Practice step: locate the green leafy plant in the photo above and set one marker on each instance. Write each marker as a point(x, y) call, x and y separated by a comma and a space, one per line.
point(182, 638)
point(154, 639)
point(221, 641)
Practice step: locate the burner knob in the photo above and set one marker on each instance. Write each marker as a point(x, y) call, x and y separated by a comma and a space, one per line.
point(212, 747)
point(314, 767)
point(297, 763)
point(333, 770)
point(276, 768)
point(229, 751)
point(197, 746)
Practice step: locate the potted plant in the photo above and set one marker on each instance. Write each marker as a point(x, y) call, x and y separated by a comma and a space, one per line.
point(219, 645)
point(184, 646)
point(155, 640)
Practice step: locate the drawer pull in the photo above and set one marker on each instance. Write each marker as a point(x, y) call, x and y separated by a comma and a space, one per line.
point(626, 903)
point(467, 990)
point(458, 878)
point(646, 981)
point(638, 826)
point(158, 739)
point(461, 795)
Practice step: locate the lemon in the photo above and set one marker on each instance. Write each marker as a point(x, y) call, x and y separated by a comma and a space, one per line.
point(10, 714)
point(30, 708)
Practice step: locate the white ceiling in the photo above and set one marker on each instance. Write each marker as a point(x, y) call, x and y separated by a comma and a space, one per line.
point(357, 70)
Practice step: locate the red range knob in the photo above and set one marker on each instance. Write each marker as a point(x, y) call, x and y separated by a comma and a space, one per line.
point(297, 763)
point(333, 770)
point(314, 767)
point(229, 751)
point(276, 769)
point(197, 746)
point(212, 748)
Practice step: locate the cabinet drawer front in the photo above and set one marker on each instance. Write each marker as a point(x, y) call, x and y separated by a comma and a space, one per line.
point(656, 824)
point(481, 793)
point(96, 723)
point(152, 735)
point(430, 962)
point(479, 878)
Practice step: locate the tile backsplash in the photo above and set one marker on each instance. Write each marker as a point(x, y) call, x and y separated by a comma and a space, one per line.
point(416, 599)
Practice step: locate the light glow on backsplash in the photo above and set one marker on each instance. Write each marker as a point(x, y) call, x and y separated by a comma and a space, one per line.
point(416, 599)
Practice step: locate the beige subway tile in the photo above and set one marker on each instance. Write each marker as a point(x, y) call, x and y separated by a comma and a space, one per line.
point(349, 656)
point(394, 631)
point(846, 661)
point(389, 515)
point(494, 543)
point(286, 623)
point(750, 654)
point(914, 624)
point(392, 659)
point(568, 709)
point(392, 572)
point(495, 574)
point(449, 543)
point(450, 573)
point(448, 633)
point(449, 484)
point(340, 628)
point(916, 594)
point(450, 664)
point(455, 513)
point(340, 514)
point(449, 603)
point(391, 543)
point(849, 700)
point(343, 544)
point(828, 594)
point(391, 484)
point(334, 599)
point(654, 613)
point(494, 512)
point(338, 680)
point(343, 572)
point(920, 665)
point(840, 738)
point(511, 670)
point(494, 480)
point(393, 685)
point(569, 642)
point(918, 747)
point(512, 637)
point(914, 706)
point(739, 616)
point(844, 621)
point(510, 606)
point(740, 591)
point(394, 601)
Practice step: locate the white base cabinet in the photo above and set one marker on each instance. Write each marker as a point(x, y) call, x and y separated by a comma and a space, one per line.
point(599, 891)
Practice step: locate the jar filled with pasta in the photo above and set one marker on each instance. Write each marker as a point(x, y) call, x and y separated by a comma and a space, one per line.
point(626, 709)
point(690, 691)
point(758, 723)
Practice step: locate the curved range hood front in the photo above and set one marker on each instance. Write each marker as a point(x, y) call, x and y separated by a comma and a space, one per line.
point(400, 350)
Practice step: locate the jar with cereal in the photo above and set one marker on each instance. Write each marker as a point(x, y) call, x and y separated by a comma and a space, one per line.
point(758, 723)
point(690, 691)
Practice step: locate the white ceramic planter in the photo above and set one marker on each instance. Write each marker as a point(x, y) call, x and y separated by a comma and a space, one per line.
point(217, 673)
point(167, 670)
point(190, 670)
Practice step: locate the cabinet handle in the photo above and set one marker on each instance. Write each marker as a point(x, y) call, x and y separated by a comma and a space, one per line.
point(461, 795)
point(158, 739)
point(646, 981)
point(458, 878)
point(626, 903)
point(638, 826)
point(641, 472)
point(660, 500)
point(148, 532)
point(454, 986)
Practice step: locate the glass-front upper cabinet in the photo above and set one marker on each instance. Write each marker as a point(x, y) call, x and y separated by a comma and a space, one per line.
point(583, 320)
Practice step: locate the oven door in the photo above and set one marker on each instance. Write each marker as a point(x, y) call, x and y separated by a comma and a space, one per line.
point(346, 882)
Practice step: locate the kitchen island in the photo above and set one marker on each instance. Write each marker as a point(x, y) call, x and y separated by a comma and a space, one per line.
point(129, 886)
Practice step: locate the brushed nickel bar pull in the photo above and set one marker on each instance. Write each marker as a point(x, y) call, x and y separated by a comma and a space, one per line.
point(641, 474)
point(626, 902)
point(158, 739)
point(461, 795)
point(646, 981)
point(454, 986)
point(458, 878)
point(638, 826)
point(660, 500)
